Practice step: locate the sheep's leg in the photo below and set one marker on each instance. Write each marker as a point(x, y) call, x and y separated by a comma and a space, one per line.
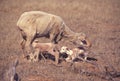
point(52, 38)
point(23, 41)
point(59, 36)
point(23, 46)
point(29, 48)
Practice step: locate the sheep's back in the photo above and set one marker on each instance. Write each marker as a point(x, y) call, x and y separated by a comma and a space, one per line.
point(38, 21)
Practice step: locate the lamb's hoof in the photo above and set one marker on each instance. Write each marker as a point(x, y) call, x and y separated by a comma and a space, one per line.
point(35, 60)
point(24, 56)
point(56, 64)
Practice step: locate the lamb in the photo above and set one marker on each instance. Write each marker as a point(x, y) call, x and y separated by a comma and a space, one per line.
point(36, 24)
point(41, 48)
point(73, 53)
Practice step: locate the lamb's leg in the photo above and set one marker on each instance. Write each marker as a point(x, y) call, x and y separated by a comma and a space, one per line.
point(43, 56)
point(69, 59)
point(36, 55)
point(12, 78)
point(53, 35)
point(85, 58)
point(31, 57)
point(56, 57)
point(81, 59)
point(85, 54)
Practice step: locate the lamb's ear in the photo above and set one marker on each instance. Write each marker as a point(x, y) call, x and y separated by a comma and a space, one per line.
point(88, 43)
point(82, 36)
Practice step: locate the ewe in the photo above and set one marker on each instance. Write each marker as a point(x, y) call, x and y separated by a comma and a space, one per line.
point(36, 24)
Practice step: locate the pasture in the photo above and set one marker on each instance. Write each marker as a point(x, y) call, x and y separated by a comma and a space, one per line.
point(98, 19)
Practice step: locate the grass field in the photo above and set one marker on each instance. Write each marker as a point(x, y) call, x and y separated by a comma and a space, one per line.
point(99, 19)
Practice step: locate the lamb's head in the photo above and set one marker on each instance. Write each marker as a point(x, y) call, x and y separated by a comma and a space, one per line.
point(68, 59)
point(66, 50)
point(34, 44)
point(81, 40)
point(63, 49)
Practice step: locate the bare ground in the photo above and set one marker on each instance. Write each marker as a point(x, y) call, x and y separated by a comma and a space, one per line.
point(99, 19)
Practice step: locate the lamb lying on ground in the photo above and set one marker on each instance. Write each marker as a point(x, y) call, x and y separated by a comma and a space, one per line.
point(73, 53)
point(42, 48)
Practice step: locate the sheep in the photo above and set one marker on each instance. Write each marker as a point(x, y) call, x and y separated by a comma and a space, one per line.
point(41, 48)
point(73, 53)
point(36, 24)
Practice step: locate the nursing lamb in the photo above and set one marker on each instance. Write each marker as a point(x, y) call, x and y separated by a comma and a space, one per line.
point(42, 48)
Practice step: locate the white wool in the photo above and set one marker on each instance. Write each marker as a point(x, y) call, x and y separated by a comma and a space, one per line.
point(63, 49)
point(69, 52)
point(72, 53)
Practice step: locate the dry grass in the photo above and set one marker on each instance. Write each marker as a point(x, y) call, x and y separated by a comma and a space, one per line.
point(99, 19)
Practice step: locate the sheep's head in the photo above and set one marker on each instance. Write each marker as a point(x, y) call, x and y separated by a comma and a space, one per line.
point(81, 40)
